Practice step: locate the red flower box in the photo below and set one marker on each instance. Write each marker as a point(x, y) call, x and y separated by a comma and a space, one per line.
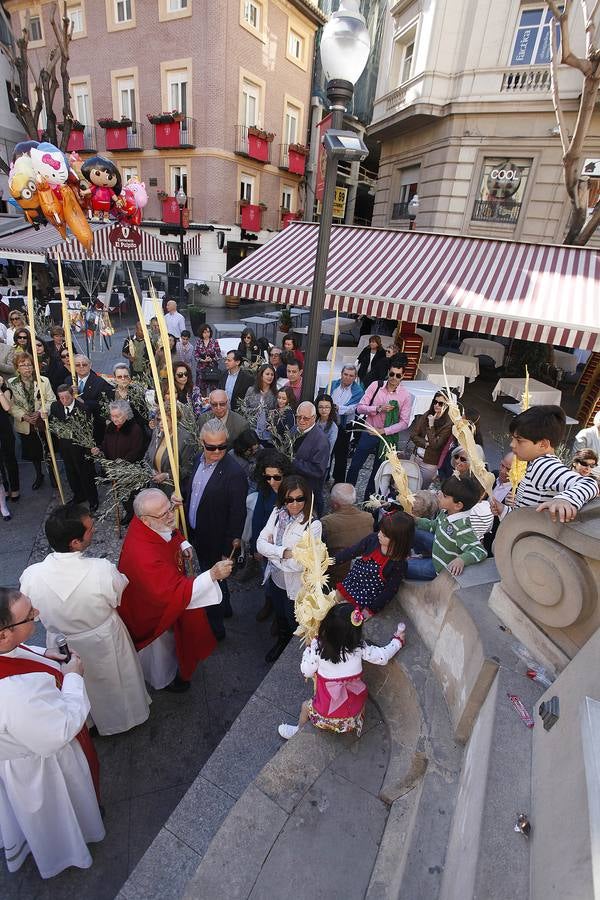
point(251, 217)
point(287, 218)
point(167, 134)
point(116, 138)
point(296, 162)
point(76, 141)
point(258, 148)
point(170, 212)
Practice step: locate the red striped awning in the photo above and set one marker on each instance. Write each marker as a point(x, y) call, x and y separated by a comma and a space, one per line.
point(144, 246)
point(29, 245)
point(192, 245)
point(534, 292)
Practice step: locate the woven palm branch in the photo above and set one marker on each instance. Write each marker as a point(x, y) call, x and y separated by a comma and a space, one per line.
point(282, 442)
point(464, 432)
point(312, 603)
point(405, 495)
point(519, 466)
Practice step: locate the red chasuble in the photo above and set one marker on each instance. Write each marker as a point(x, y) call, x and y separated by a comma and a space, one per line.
point(157, 596)
point(11, 665)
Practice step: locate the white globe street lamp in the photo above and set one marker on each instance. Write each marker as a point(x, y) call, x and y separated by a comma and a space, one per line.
point(345, 48)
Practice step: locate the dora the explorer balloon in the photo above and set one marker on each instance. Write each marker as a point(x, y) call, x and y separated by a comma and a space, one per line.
point(105, 186)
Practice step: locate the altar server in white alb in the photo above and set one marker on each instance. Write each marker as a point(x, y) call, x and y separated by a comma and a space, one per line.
point(48, 766)
point(77, 596)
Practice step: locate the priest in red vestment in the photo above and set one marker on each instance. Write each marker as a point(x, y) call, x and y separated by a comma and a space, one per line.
point(162, 606)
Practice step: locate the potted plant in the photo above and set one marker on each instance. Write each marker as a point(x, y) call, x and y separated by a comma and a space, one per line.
point(109, 122)
point(115, 137)
point(285, 320)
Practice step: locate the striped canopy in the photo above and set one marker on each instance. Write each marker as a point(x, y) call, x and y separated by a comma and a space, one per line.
point(534, 292)
point(29, 245)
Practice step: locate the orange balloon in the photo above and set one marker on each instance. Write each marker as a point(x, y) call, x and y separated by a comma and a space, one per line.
point(75, 218)
point(52, 208)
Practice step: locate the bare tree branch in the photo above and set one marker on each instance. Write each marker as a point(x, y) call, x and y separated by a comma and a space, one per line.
point(581, 226)
point(63, 33)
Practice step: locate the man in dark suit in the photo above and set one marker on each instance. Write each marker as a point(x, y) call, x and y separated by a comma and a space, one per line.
point(216, 510)
point(91, 390)
point(311, 452)
point(79, 466)
point(235, 381)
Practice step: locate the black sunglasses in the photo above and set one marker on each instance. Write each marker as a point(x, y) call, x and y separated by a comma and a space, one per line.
point(462, 458)
point(180, 374)
point(289, 500)
point(395, 374)
point(214, 447)
point(273, 477)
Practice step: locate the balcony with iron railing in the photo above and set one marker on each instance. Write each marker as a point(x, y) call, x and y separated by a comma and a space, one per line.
point(82, 139)
point(122, 136)
point(292, 158)
point(170, 211)
point(172, 132)
point(254, 143)
point(497, 211)
point(400, 210)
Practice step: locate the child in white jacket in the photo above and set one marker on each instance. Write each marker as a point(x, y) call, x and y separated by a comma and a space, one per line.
point(336, 657)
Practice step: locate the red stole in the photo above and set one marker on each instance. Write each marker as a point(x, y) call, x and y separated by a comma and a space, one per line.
point(11, 665)
point(157, 596)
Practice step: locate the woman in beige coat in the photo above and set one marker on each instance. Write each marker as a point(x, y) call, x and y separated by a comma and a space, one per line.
point(26, 412)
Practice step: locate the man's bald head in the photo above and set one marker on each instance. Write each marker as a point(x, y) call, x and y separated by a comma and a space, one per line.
point(153, 507)
point(171, 306)
point(219, 403)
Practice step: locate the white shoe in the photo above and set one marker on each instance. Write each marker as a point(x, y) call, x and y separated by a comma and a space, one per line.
point(287, 731)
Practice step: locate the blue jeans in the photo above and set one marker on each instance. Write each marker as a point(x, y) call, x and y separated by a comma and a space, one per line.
point(367, 444)
point(423, 542)
point(420, 569)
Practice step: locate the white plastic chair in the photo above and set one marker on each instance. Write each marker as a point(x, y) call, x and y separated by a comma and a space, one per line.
point(383, 477)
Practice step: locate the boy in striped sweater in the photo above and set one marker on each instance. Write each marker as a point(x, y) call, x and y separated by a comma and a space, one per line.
point(454, 544)
point(547, 483)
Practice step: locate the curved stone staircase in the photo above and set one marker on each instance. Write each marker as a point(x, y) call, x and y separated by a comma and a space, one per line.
point(407, 811)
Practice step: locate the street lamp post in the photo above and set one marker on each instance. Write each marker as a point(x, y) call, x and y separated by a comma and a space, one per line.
point(345, 48)
point(181, 198)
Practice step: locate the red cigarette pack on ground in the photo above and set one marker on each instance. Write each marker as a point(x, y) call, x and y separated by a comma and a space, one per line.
point(520, 708)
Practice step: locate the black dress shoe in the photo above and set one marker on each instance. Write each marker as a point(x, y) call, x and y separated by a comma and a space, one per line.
point(178, 685)
point(37, 483)
point(277, 649)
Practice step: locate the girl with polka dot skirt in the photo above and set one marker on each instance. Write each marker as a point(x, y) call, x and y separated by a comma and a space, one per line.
point(379, 564)
point(336, 657)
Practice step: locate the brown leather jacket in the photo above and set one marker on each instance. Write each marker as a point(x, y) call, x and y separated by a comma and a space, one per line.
point(432, 439)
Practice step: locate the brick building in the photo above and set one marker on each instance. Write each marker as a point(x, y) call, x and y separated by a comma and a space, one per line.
point(227, 68)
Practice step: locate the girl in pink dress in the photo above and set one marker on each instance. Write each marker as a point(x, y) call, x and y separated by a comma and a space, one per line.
point(336, 658)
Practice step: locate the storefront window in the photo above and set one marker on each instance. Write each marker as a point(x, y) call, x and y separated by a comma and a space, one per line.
point(502, 188)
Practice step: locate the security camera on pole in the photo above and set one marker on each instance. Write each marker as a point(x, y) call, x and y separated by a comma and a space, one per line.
point(345, 48)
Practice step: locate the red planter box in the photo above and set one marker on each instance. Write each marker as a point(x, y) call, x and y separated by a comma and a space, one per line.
point(257, 148)
point(287, 218)
point(251, 217)
point(296, 162)
point(76, 141)
point(167, 135)
point(116, 138)
point(170, 212)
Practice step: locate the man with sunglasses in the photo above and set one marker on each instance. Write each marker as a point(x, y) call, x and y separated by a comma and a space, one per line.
point(216, 509)
point(220, 409)
point(382, 401)
point(49, 769)
point(311, 452)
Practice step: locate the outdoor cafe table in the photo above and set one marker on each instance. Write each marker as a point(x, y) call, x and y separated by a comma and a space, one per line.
point(422, 393)
point(220, 328)
point(263, 326)
point(461, 365)
point(434, 372)
point(480, 347)
point(539, 393)
point(566, 361)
